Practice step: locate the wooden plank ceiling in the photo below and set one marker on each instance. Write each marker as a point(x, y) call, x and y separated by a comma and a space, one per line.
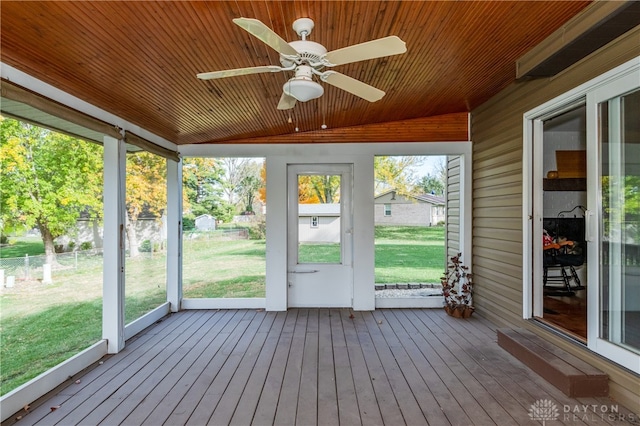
point(139, 59)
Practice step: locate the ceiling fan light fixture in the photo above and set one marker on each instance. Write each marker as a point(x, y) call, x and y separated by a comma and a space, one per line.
point(303, 89)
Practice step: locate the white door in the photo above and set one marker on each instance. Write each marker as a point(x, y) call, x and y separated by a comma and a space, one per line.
point(320, 230)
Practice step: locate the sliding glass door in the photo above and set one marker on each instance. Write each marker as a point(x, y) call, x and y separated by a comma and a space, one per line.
point(613, 219)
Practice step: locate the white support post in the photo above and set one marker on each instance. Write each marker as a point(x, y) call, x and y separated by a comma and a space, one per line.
point(115, 161)
point(276, 256)
point(174, 234)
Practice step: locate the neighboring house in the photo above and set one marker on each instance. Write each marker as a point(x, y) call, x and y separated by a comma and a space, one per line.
point(392, 208)
point(205, 222)
point(148, 227)
point(87, 230)
point(319, 223)
point(90, 230)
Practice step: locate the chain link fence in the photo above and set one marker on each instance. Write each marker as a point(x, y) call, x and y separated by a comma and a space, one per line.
point(30, 267)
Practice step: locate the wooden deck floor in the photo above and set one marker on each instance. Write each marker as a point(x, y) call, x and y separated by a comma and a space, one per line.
point(308, 367)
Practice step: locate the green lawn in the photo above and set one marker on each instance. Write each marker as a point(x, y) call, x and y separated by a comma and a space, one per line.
point(42, 325)
point(18, 247)
point(215, 267)
point(407, 254)
point(403, 254)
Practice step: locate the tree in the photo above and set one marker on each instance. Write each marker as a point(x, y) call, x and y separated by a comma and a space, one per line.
point(48, 179)
point(249, 185)
point(234, 170)
point(241, 182)
point(262, 191)
point(440, 168)
point(306, 194)
point(146, 186)
point(395, 173)
point(314, 189)
point(431, 184)
point(202, 179)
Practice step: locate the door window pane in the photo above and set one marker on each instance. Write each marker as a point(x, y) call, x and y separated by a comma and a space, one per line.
point(620, 239)
point(319, 198)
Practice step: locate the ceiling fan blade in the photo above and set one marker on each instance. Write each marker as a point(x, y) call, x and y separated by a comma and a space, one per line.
point(353, 86)
point(238, 71)
point(286, 102)
point(266, 35)
point(386, 46)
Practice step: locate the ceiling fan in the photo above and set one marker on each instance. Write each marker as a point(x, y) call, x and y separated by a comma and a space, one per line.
point(308, 59)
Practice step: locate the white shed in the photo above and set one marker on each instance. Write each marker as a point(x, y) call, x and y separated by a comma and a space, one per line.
point(205, 222)
point(319, 223)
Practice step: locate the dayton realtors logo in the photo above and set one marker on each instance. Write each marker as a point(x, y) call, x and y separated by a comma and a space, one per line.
point(543, 410)
point(546, 410)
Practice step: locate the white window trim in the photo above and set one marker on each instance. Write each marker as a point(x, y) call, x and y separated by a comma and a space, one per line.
point(387, 210)
point(314, 222)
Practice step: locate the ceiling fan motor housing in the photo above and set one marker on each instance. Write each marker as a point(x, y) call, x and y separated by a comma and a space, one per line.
point(309, 53)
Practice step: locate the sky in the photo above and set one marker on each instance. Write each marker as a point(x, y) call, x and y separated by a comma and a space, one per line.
point(428, 166)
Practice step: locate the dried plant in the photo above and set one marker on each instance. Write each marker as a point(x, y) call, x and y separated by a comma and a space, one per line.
point(457, 286)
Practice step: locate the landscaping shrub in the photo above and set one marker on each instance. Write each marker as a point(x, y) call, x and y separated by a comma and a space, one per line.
point(258, 230)
point(145, 247)
point(188, 223)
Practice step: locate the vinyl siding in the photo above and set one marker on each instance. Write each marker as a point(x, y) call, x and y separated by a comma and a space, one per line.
point(452, 195)
point(496, 132)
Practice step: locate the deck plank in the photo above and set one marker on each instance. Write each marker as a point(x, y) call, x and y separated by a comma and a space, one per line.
point(308, 367)
point(367, 403)
point(327, 394)
point(230, 361)
point(198, 391)
point(185, 370)
point(348, 411)
point(463, 384)
point(101, 382)
point(266, 409)
point(385, 397)
point(288, 401)
point(192, 382)
point(409, 407)
point(145, 379)
point(229, 400)
point(453, 403)
point(465, 372)
point(248, 401)
point(452, 409)
point(508, 374)
point(307, 413)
